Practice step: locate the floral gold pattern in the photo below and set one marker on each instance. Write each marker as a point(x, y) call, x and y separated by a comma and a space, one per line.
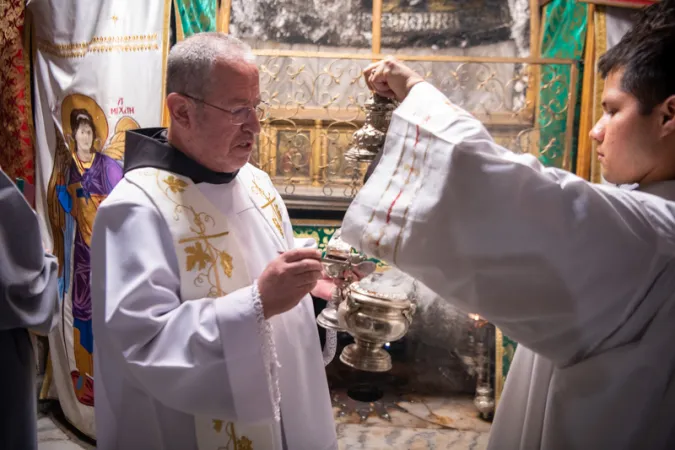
point(234, 442)
point(202, 254)
point(226, 263)
point(197, 256)
point(317, 103)
point(244, 443)
point(218, 425)
point(176, 185)
point(16, 139)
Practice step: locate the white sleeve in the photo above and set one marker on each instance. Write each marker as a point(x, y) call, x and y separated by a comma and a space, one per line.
point(205, 356)
point(556, 262)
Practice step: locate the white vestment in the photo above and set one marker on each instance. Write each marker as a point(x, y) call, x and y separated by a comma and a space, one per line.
point(167, 365)
point(582, 276)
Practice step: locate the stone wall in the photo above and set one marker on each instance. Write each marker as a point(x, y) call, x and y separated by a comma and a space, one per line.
point(439, 24)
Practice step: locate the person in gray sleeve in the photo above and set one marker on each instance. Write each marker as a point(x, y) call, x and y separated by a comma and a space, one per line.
point(28, 301)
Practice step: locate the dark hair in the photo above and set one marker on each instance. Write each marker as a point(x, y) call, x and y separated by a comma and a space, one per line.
point(79, 117)
point(646, 54)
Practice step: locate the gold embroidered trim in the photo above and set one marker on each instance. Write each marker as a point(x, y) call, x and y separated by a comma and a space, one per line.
point(241, 443)
point(101, 44)
point(277, 219)
point(201, 255)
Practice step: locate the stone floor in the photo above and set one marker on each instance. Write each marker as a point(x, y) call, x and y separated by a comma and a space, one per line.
point(419, 424)
point(53, 434)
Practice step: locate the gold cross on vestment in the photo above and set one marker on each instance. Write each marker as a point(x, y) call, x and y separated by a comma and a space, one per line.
point(277, 220)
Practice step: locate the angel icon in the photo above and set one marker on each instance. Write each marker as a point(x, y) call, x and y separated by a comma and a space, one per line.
point(83, 175)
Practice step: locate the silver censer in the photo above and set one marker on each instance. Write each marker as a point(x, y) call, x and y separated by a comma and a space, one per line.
point(379, 308)
point(369, 139)
point(339, 263)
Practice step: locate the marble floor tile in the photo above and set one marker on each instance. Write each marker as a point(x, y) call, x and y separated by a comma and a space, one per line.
point(359, 437)
point(53, 435)
point(424, 423)
point(48, 431)
point(420, 412)
point(59, 445)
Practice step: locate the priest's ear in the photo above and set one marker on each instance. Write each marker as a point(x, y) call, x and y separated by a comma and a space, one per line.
point(667, 113)
point(181, 110)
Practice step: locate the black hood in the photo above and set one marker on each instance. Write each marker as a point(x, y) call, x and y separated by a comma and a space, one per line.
point(149, 147)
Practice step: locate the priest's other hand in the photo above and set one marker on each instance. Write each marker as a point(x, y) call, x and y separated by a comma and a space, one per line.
point(391, 78)
point(324, 289)
point(326, 286)
point(287, 279)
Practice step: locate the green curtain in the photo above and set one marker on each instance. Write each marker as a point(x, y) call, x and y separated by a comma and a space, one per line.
point(322, 234)
point(197, 16)
point(564, 35)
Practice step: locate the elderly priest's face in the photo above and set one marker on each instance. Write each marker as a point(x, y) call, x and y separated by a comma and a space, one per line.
point(227, 120)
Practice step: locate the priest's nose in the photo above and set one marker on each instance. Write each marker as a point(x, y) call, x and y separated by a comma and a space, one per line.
point(598, 131)
point(252, 124)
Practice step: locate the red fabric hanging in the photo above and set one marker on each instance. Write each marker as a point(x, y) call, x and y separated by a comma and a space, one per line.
point(17, 154)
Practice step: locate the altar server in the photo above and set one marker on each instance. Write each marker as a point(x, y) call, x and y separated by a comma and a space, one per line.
point(204, 327)
point(28, 301)
point(581, 275)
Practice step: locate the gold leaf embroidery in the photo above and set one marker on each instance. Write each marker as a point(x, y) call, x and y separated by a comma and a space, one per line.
point(244, 443)
point(226, 263)
point(197, 256)
point(277, 224)
point(176, 185)
point(277, 220)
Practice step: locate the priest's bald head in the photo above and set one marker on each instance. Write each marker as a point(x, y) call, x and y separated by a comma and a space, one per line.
point(636, 134)
point(213, 97)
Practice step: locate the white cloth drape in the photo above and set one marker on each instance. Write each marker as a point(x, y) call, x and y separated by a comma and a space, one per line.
point(104, 59)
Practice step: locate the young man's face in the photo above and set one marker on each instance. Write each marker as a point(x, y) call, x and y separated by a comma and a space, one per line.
point(629, 143)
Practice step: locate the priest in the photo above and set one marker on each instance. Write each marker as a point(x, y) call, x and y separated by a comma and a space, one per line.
point(28, 301)
point(581, 275)
point(204, 327)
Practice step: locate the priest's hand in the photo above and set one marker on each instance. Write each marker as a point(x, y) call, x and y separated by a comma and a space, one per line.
point(391, 78)
point(287, 279)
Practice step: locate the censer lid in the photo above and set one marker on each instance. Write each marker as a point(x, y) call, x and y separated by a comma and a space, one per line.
point(336, 247)
point(391, 285)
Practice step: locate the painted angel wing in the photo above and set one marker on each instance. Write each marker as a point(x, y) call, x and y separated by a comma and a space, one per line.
point(115, 148)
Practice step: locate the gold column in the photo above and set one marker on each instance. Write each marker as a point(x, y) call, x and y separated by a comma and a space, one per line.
point(499, 365)
point(377, 26)
point(223, 19)
point(571, 111)
point(535, 32)
point(598, 84)
point(536, 36)
point(317, 151)
point(533, 97)
point(585, 148)
point(165, 116)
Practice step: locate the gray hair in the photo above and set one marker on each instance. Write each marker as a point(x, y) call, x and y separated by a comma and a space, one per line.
point(191, 61)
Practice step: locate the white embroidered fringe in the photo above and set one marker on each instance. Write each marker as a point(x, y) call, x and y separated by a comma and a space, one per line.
point(330, 346)
point(269, 353)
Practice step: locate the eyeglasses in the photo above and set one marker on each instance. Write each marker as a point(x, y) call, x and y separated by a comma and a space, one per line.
point(238, 115)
